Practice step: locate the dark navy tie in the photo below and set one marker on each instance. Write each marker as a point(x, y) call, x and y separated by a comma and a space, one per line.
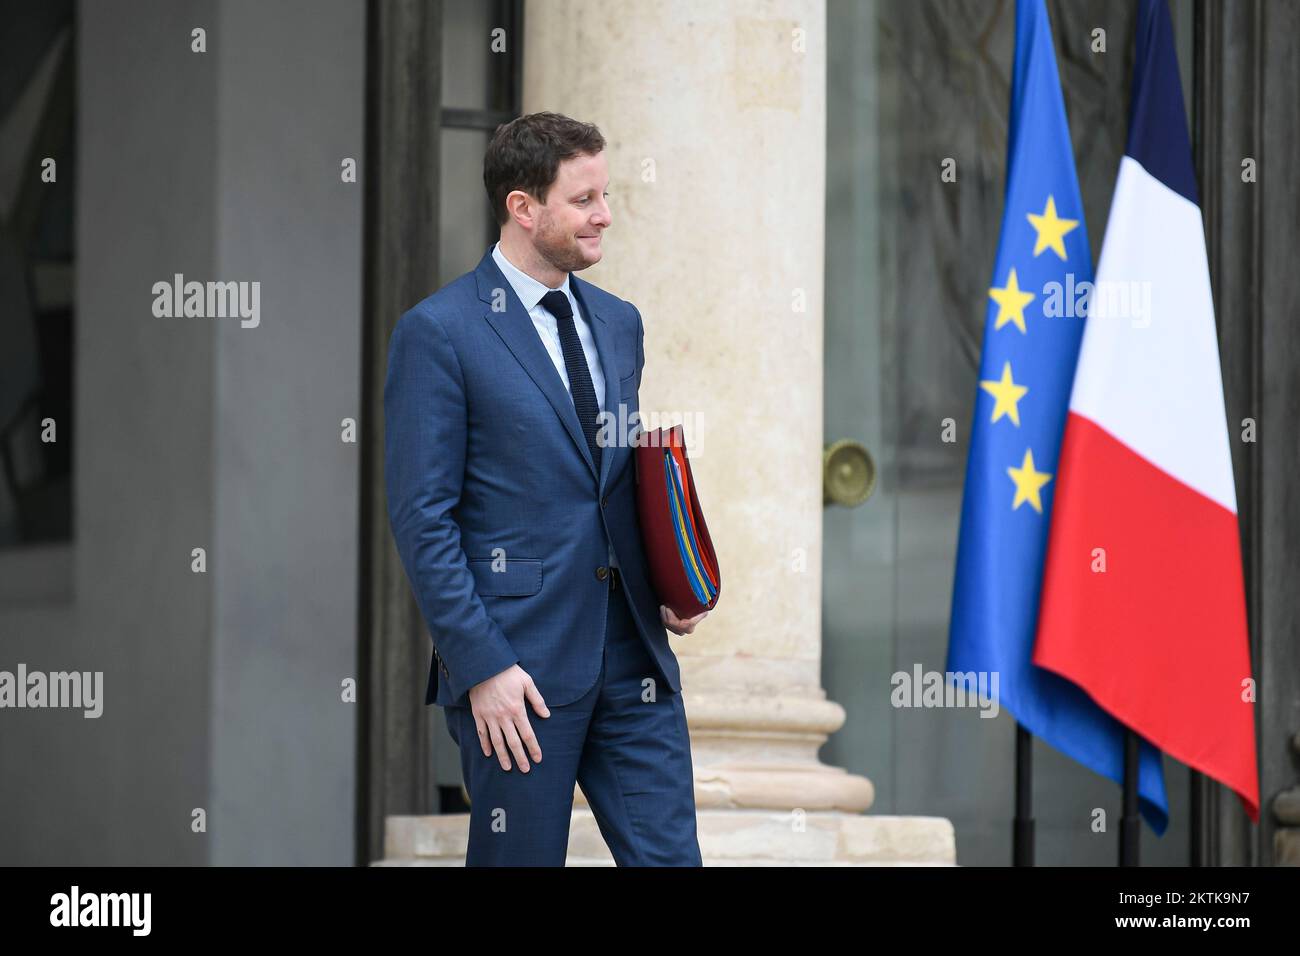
point(575, 363)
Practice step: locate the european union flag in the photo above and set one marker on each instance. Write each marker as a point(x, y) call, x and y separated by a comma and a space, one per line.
point(1031, 341)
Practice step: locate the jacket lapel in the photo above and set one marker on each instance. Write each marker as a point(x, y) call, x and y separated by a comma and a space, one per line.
point(609, 367)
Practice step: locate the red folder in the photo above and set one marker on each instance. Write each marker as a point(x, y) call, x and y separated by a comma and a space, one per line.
point(683, 565)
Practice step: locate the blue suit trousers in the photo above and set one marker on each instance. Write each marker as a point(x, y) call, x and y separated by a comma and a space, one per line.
point(624, 742)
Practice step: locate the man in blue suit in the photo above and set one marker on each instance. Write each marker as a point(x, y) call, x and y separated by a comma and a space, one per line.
point(510, 407)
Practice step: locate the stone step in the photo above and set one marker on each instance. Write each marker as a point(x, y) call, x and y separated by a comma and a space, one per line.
point(727, 838)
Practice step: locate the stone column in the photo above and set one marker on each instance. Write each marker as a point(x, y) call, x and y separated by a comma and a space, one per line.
point(715, 116)
point(714, 113)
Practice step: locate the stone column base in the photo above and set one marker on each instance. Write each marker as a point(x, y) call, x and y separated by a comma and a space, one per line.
point(727, 838)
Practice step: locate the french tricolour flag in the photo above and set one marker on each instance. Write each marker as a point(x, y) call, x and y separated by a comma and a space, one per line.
point(1143, 601)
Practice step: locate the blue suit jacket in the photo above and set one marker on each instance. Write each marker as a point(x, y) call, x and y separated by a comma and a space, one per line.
point(499, 516)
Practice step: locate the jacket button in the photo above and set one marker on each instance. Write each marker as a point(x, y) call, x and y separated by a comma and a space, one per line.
point(602, 572)
point(604, 501)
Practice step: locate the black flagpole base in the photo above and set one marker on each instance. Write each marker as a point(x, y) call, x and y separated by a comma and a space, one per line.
point(1130, 824)
point(1022, 828)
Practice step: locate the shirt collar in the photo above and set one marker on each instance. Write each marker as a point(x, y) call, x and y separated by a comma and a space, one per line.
point(528, 289)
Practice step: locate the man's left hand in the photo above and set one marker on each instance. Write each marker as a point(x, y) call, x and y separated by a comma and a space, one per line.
point(676, 624)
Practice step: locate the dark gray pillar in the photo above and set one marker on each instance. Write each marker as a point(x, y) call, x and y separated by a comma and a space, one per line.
point(403, 99)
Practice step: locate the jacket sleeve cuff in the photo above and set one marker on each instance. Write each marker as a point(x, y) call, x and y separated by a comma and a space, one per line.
point(491, 660)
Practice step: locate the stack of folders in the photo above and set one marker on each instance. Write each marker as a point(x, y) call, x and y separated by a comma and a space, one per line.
point(683, 565)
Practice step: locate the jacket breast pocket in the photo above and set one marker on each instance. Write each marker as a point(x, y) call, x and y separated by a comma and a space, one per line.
point(512, 576)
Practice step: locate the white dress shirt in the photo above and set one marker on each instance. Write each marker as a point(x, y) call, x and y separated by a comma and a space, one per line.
point(530, 293)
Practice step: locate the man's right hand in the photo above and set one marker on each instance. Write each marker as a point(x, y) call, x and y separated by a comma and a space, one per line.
point(501, 718)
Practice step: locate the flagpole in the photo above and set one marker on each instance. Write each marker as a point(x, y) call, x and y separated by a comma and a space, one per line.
point(1022, 834)
point(1130, 824)
point(1196, 818)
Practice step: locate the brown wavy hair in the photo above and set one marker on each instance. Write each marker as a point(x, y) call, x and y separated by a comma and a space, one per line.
point(526, 154)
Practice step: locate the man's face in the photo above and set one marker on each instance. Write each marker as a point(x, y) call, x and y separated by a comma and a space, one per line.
point(570, 224)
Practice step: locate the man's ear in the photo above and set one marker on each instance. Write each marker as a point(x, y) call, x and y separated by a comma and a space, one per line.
point(520, 208)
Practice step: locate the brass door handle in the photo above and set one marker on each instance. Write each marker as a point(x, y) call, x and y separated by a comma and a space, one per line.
point(848, 473)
